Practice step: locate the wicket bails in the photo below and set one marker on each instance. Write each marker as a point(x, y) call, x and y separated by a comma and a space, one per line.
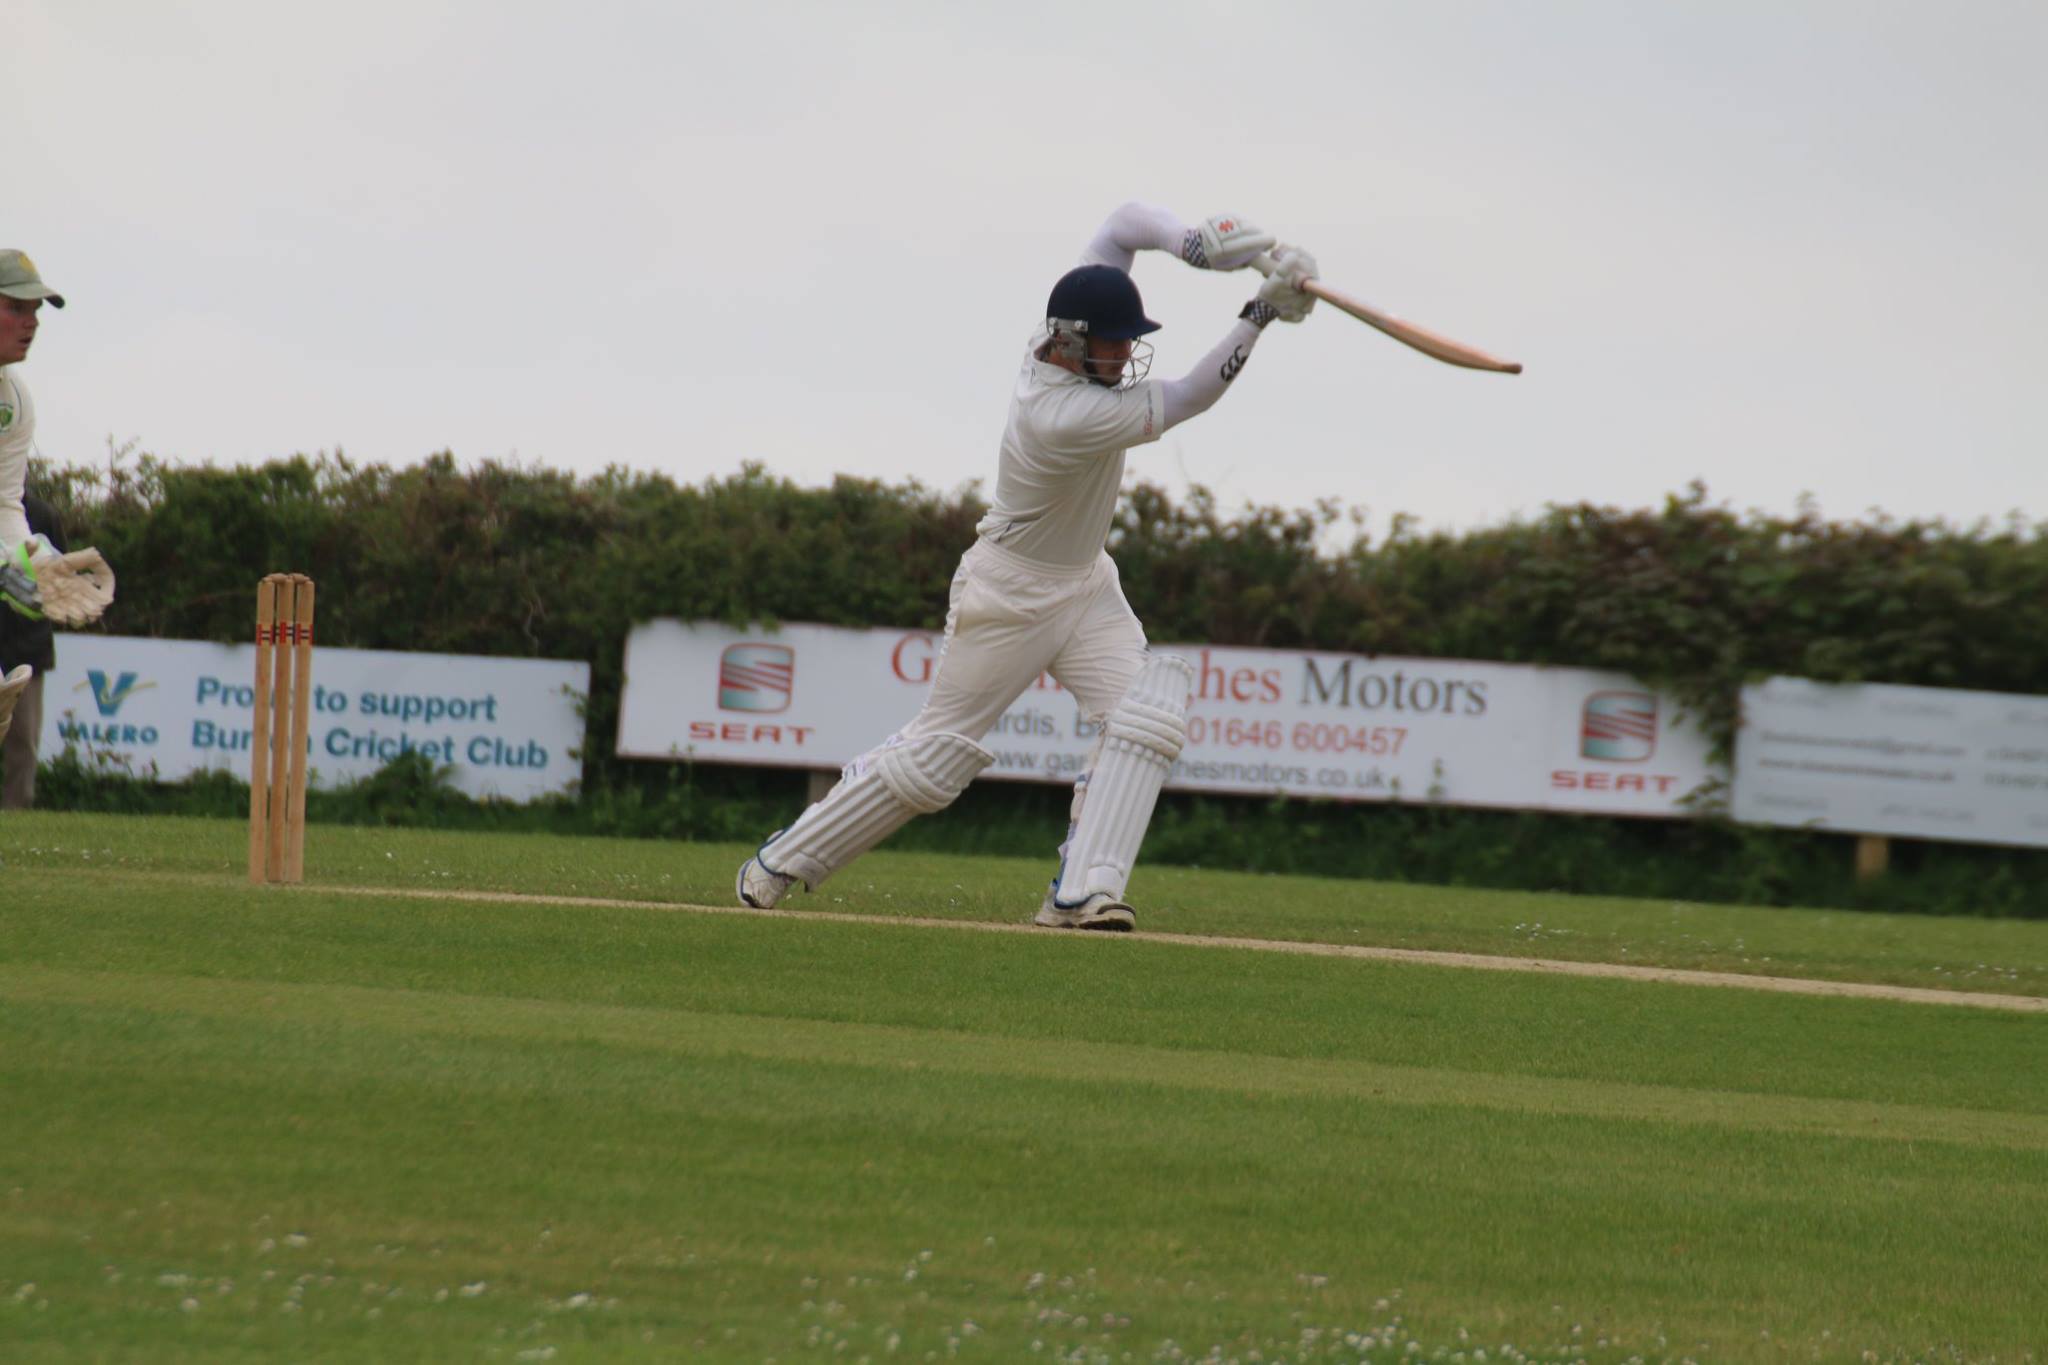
point(277, 747)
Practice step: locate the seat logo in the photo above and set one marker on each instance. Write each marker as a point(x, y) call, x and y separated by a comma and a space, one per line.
point(1620, 727)
point(756, 677)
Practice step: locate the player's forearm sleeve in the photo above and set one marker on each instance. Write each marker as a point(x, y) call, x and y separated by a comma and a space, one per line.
point(1131, 229)
point(1197, 391)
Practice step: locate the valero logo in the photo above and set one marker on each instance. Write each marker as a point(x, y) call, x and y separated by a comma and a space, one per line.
point(754, 677)
point(108, 694)
point(1620, 727)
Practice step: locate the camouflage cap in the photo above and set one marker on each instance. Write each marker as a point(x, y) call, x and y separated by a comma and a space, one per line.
point(19, 280)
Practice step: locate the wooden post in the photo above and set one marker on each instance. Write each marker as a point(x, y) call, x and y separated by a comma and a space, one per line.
point(259, 732)
point(1873, 855)
point(302, 663)
point(822, 781)
point(285, 630)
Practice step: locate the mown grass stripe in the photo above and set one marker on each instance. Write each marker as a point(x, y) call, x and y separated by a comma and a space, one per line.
point(776, 1038)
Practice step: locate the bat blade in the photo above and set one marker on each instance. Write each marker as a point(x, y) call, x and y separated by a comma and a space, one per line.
point(1421, 338)
point(1407, 333)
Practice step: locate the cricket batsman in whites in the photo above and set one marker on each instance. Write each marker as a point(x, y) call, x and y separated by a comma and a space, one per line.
point(35, 580)
point(1038, 592)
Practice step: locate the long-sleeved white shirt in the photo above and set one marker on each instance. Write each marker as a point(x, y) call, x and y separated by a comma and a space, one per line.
point(17, 439)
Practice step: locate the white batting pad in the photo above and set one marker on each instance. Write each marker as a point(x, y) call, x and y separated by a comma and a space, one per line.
point(913, 778)
point(1140, 740)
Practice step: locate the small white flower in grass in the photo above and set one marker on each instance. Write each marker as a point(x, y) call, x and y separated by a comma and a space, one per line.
point(174, 1280)
point(470, 1291)
point(189, 1306)
point(296, 1239)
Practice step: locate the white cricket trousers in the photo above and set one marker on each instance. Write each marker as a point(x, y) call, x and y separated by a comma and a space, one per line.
point(1010, 619)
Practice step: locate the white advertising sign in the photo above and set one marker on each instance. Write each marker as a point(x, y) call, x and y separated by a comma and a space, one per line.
point(510, 728)
point(1349, 727)
point(1872, 758)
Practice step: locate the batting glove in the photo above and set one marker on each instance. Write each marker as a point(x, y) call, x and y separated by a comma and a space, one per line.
point(1282, 291)
point(1225, 242)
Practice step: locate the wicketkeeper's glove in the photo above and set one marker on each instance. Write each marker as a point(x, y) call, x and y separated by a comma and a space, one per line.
point(65, 589)
point(12, 685)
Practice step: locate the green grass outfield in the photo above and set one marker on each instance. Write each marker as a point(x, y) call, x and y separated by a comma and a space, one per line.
point(248, 1124)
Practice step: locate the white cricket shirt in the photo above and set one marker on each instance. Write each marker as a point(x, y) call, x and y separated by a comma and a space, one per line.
point(1063, 460)
point(17, 438)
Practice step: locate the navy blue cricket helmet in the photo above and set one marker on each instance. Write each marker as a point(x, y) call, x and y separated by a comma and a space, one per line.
point(1098, 301)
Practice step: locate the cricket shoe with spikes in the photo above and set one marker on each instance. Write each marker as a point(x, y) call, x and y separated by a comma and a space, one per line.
point(759, 887)
point(1100, 911)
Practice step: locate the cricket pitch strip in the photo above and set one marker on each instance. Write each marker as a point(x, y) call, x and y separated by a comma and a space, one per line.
point(1862, 990)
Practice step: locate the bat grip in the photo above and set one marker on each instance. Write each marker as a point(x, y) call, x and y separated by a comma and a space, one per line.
point(1267, 266)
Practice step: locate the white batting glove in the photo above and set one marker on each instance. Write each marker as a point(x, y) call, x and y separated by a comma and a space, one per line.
point(1282, 291)
point(1225, 242)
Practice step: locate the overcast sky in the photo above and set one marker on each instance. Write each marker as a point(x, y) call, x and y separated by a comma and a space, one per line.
point(1782, 247)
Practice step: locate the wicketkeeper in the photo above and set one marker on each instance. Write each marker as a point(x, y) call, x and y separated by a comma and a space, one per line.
point(1038, 592)
point(36, 579)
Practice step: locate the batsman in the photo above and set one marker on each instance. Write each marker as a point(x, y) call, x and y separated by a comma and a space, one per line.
point(1038, 592)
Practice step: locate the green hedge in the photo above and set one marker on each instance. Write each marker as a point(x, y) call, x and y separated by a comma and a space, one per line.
point(524, 561)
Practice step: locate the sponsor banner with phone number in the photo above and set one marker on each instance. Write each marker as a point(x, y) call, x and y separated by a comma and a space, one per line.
point(1347, 727)
point(1877, 758)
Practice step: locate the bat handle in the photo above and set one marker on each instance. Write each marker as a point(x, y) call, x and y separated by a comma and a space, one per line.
point(1265, 264)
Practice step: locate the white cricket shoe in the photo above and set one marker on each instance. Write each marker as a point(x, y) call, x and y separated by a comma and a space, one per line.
point(1099, 911)
point(759, 887)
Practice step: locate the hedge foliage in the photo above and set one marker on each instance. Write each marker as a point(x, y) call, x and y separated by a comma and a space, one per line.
point(502, 559)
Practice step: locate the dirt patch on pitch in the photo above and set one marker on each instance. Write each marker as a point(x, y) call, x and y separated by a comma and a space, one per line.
point(1681, 976)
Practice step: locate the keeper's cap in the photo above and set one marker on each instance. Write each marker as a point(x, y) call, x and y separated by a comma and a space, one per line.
point(1100, 301)
point(19, 279)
